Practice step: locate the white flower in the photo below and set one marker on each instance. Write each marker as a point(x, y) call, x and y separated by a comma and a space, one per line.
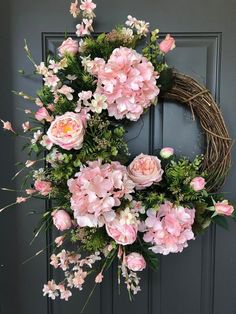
point(98, 103)
point(37, 136)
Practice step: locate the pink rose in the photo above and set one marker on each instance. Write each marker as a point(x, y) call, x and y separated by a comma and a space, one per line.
point(42, 114)
point(61, 219)
point(122, 233)
point(43, 187)
point(198, 184)
point(144, 170)
point(68, 46)
point(135, 262)
point(223, 208)
point(67, 131)
point(167, 152)
point(167, 44)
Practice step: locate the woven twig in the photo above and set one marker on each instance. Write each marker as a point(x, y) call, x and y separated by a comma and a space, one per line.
point(217, 158)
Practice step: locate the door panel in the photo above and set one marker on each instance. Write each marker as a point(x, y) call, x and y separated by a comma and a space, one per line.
point(201, 280)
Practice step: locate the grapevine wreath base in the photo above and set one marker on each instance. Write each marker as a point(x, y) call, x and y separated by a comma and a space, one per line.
point(217, 158)
point(105, 204)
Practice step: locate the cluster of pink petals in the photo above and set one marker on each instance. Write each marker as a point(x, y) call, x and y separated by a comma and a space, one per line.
point(128, 81)
point(169, 229)
point(96, 189)
point(43, 187)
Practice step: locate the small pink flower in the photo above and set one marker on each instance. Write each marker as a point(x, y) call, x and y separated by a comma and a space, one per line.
point(38, 102)
point(82, 30)
point(69, 46)
point(198, 184)
point(145, 170)
point(167, 44)
point(51, 80)
point(30, 191)
point(67, 91)
point(7, 126)
point(59, 240)
point(135, 262)
point(26, 126)
point(88, 6)
point(46, 142)
point(67, 131)
point(167, 152)
point(99, 278)
point(51, 107)
point(21, 199)
point(74, 10)
point(42, 114)
point(43, 187)
point(223, 208)
point(61, 220)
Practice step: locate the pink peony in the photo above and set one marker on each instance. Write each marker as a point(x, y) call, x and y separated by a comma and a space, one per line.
point(167, 44)
point(169, 229)
point(128, 81)
point(69, 46)
point(42, 114)
point(145, 170)
point(122, 232)
point(96, 189)
point(223, 208)
point(61, 220)
point(43, 187)
point(167, 152)
point(135, 262)
point(198, 184)
point(67, 131)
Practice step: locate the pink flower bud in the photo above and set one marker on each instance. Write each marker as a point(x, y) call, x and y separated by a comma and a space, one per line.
point(167, 44)
point(223, 208)
point(61, 220)
point(167, 152)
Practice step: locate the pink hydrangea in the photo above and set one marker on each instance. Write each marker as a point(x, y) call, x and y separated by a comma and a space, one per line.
point(169, 228)
point(96, 189)
point(128, 81)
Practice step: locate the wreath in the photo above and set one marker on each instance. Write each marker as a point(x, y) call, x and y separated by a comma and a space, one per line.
point(104, 203)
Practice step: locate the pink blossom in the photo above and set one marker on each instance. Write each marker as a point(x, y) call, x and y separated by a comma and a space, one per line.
point(38, 102)
point(65, 293)
point(67, 131)
point(67, 91)
point(21, 199)
point(88, 6)
point(122, 232)
point(46, 142)
point(61, 220)
point(42, 114)
point(43, 187)
point(169, 228)
point(198, 184)
point(135, 262)
point(69, 46)
point(99, 278)
point(74, 10)
point(26, 126)
point(59, 240)
point(51, 80)
point(51, 289)
point(145, 170)
point(128, 81)
point(30, 191)
point(223, 208)
point(7, 126)
point(167, 44)
point(79, 278)
point(84, 28)
point(96, 189)
point(167, 152)
point(131, 21)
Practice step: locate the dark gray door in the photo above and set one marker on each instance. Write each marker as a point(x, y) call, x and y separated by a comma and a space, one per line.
point(202, 280)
